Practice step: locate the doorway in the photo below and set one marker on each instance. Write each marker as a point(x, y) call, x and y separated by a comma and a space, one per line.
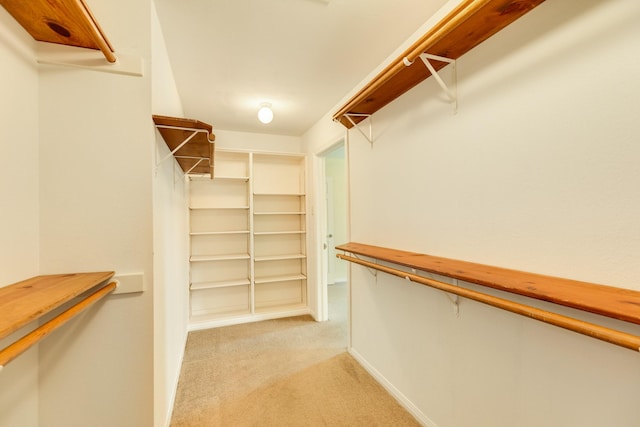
point(334, 231)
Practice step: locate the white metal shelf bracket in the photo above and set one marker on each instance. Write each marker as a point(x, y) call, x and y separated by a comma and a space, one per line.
point(183, 143)
point(451, 92)
point(357, 126)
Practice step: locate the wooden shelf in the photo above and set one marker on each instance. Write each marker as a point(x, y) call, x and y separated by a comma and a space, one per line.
point(197, 155)
point(617, 303)
point(23, 302)
point(468, 25)
point(67, 22)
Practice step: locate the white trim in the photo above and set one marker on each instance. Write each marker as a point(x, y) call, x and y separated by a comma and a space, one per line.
point(248, 318)
point(397, 394)
point(174, 384)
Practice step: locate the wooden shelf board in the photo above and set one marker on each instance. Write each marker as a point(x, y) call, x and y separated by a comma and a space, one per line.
point(65, 22)
point(617, 303)
point(28, 300)
point(200, 146)
point(460, 31)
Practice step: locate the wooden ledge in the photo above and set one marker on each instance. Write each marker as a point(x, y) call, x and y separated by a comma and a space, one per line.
point(197, 155)
point(28, 300)
point(465, 27)
point(67, 22)
point(616, 303)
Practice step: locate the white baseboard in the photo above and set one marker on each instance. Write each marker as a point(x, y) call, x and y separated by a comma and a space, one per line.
point(249, 318)
point(174, 384)
point(401, 398)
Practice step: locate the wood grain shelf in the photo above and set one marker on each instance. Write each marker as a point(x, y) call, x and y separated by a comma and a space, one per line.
point(67, 22)
point(468, 25)
point(609, 301)
point(197, 155)
point(23, 302)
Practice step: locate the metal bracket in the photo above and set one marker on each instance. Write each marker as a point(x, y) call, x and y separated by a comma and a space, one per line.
point(182, 144)
point(455, 300)
point(370, 136)
point(452, 93)
point(194, 132)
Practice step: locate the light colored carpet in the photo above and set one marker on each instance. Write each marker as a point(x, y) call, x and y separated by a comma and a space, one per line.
point(284, 372)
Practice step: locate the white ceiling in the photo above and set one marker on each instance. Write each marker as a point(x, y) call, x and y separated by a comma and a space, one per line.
point(302, 56)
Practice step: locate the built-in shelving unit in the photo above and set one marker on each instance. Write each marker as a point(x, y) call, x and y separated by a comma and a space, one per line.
point(29, 300)
point(191, 142)
point(248, 239)
point(616, 303)
point(66, 22)
point(465, 27)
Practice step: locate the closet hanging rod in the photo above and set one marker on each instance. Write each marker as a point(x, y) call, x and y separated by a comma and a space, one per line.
point(460, 14)
point(612, 336)
point(23, 344)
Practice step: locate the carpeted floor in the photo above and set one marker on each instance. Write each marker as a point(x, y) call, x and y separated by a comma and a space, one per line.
point(284, 372)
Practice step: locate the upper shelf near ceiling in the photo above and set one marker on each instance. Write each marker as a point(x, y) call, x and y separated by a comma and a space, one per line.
point(465, 27)
point(191, 142)
point(67, 22)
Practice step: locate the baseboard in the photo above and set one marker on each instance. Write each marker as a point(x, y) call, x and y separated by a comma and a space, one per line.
point(174, 385)
point(401, 398)
point(249, 318)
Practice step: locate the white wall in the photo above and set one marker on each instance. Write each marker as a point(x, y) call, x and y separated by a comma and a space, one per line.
point(19, 211)
point(96, 148)
point(170, 241)
point(335, 167)
point(235, 140)
point(537, 171)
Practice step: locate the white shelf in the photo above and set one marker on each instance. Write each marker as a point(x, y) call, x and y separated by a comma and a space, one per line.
point(280, 194)
point(279, 257)
point(232, 178)
point(275, 233)
point(222, 284)
point(197, 208)
point(226, 257)
point(279, 213)
point(256, 204)
point(214, 233)
point(274, 279)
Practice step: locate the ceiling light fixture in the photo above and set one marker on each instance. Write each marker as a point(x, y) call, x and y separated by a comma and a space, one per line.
point(265, 115)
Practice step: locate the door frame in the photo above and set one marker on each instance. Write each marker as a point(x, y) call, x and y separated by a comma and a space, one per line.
point(321, 226)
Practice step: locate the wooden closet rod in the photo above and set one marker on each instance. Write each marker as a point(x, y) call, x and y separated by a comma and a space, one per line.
point(23, 344)
point(612, 336)
point(95, 32)
point(461, 13)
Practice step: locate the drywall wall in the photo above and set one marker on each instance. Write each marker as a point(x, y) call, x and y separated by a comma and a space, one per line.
point(537, 171)
point(19, 211)
point(170, 241)
point(96, 157)
point(235, 140)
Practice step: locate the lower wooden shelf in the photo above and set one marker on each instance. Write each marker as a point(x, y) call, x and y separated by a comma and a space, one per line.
point(617, 303)
point(28, 300)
